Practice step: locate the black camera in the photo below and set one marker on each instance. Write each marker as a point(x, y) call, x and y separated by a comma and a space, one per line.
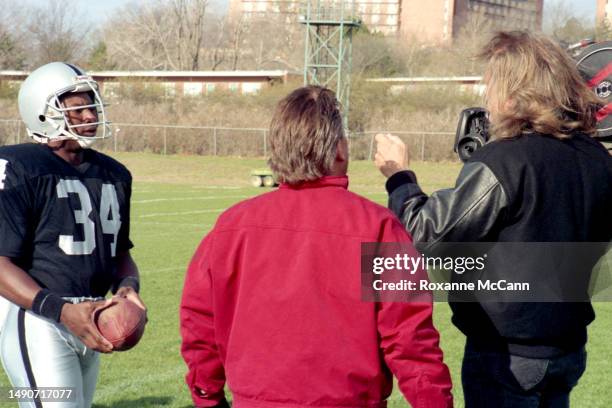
point(472, 132)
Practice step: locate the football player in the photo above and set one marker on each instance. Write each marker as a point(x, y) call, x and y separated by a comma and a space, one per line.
point(64, 236)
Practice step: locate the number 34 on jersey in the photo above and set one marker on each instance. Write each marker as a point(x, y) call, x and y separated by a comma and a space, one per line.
point(110, 219)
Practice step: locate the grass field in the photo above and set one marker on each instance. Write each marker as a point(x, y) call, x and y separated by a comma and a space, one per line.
point(176, 200)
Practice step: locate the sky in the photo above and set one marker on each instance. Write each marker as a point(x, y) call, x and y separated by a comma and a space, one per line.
point(100, 10)
point(580, 8)
point(105, 8)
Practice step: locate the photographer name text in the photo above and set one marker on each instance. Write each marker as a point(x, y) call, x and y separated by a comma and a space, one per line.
point(425, 285)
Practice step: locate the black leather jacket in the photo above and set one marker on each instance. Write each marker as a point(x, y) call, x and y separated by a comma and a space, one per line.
point(468, 212)
point(533, 188)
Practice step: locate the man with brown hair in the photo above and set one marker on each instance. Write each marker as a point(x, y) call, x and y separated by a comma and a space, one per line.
point(271, 301)
point(543, 179)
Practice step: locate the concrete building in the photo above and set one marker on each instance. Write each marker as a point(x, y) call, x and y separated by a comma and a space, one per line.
point(378, 15)
point(496, 14)
point(436, 21)
point(471, 84)
point(186, 83)
point(604, 12)
point(428, 21)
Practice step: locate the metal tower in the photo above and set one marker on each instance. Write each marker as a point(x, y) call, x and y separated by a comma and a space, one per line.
point(328, 45)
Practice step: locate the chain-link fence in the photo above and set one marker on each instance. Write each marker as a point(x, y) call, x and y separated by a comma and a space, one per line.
point(422, 145)
point(224, 141)
point(12, 132)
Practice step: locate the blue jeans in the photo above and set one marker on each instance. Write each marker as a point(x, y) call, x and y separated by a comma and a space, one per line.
point(500, 380)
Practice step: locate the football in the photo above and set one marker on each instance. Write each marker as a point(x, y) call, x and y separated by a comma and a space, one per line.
point(122, 322)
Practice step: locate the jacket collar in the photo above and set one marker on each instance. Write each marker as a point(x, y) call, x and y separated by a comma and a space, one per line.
point(327, 181)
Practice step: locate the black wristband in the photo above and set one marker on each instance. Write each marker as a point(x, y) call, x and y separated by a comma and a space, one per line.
point(129, 281)
point(398, 179)
point(49, 305)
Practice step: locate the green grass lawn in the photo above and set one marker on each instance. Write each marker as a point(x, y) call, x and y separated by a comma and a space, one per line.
point(176, 200)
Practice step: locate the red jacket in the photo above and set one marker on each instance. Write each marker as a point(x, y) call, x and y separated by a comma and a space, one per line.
point(272, 304)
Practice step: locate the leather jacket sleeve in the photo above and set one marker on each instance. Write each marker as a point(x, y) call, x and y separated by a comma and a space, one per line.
point(469, 212)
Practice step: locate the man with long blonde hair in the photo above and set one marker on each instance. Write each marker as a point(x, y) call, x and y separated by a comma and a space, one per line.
point(543, 178)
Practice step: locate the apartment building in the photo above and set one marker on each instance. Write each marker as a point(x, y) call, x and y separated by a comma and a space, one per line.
point(436, 21)
point(604, 11)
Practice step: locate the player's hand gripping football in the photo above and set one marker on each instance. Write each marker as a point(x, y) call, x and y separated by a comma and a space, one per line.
point(77, 319)
point(391, 154)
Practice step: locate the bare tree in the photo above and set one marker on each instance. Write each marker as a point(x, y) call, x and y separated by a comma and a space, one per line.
point(271, 40)
point(603, 30)
point(573, 31)
point(12, 36)
point(188, 30)
point(557, 15)
point(57, 32)
point(182, 35)
point(135, 38)
point(238, 29)
point(164, 34)
point(565, 26)
point(469, 41)
point(225, 38)
point(373, 55)
point(216, 54)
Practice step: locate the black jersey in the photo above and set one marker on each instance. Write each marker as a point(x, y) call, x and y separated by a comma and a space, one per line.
point(63, 224)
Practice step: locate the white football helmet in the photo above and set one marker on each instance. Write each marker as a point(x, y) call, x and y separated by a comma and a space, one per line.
point(42, 111)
